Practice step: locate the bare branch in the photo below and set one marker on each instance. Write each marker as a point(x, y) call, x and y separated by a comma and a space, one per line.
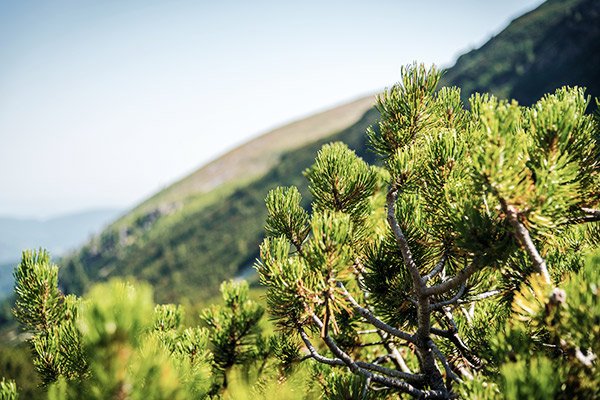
point(461, 277)
point(591, 212)
point(381, 359)
point(315, 354)
point(591, 216)
point(444, 362)
point(401, 239)
point(368, 331)
point(453, 300)
point(456, 340)
point(391, 372)
point(522, 235)
point(452, 335)
point(356, 366)
point(581, 220)
point(481, 296)
point(366, 387)
point(436, 270)
point(366, 314)
point(394, 353)
point(372, 343)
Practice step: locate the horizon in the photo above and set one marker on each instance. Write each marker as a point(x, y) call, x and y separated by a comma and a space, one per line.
point(103, 104)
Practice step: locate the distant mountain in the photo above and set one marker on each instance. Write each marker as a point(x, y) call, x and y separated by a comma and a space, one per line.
point(206, 228)
point(59, 235)
point(556, 44)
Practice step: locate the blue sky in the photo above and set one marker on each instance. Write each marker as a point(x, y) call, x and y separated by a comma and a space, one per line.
point(104, 102)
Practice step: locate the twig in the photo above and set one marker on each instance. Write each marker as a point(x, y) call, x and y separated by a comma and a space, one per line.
point(522, 235)
point(372, 343)
point(356, 366)
point(314, 353)
point(367, 331)
point(461, 277)
point(365, 387)
point(453, 300)
point(591, 212)
point(373, 319)
point(481, 296)
point(401, 239)
point(381, 359)
point(436, 270)
point(394, 353)
point(444, 362)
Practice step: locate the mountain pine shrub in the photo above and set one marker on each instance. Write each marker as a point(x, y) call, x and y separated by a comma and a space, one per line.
point(457, 268)
point(116, 343)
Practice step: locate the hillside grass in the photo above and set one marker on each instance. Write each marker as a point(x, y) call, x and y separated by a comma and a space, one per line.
point(247, 162)
point(188, 253)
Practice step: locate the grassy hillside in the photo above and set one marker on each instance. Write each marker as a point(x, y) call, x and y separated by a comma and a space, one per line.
point(251, 160)
point(206, 228)
point(554, 45)
point(188, 249)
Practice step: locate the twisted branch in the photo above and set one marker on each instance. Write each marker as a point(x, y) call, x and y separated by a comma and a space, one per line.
point(366, 314)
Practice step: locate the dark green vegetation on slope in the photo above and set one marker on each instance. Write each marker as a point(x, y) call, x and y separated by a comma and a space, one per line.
point(554, 45)
point(187, 251)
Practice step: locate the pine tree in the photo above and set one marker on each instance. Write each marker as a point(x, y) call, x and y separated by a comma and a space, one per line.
point(116, 343)
point(430, 260)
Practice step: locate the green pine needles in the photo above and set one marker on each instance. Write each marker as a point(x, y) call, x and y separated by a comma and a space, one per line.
point(116, 343)
point(427, 260)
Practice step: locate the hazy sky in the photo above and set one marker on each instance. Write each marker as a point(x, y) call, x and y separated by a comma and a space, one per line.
point(104, 102)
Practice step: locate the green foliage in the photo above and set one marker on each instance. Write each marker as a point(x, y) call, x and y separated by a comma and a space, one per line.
point(16, 365)
point(340, 181)
point(485, 210)
point(115, 342)
point(8, 390)
point(41, 308)
point(214, 236)
point(235, 334)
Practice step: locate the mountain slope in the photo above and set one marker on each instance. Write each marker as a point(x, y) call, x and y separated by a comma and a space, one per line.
point(189, 238)
point(257, 156)
point(554, 45)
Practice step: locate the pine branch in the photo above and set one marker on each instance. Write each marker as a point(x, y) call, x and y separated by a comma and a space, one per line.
point(481, 296)
point(591, 212)
point(444, 362)
point(592, 215)
point(359, 364)
point(397, 358)
point(523, 236)
point(452, 335)
point(459, 279)
point(438, 268)
point(401, 239)
point(453, 300)
point(373, 319)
